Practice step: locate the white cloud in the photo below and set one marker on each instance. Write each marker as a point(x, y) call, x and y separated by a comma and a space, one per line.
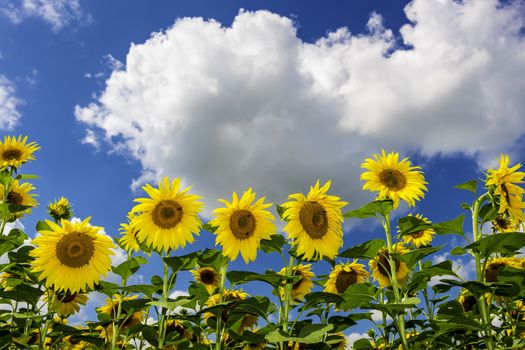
point(352, 338)
point(464, 268)
point(57, 13)
point(91, 139)
point(9, 103)
point(253, 105)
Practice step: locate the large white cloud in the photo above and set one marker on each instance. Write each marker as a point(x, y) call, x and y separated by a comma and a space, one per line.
point(58, 13)
point(9, 103)
point(252, 104)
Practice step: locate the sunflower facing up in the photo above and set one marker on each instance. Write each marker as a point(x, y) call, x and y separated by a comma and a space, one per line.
point(422, 237)
point(504, 183)
point(16, 151)
point(72, 256)
point(208, 277)
point(242, 224)
point(393, 179)
point(66, 304)
point(19, 194)
point(315, 222)
point(304, 285)
point(380, 266)
point(169, 218)
point(344, 275)
point(110, 309)
point(60, 209)
point(129, 231)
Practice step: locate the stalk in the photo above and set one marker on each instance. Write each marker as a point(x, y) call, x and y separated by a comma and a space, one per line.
point(165, 280)
point(479, 271)
point(43, 334)
point(425, 295)
point(400, 319)
point(116, 326)
point(287, 295)
point(218, 333)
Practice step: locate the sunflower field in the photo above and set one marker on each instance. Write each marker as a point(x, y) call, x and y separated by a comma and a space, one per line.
point(391, 282)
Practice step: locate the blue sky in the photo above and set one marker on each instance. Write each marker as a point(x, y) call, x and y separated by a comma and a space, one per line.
point(273, 99)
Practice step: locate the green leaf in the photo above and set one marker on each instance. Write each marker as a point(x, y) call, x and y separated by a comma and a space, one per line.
point(23, 292)
point(42, 226)
point(145, 289)
point(468, 186)
point(413, 256)
point(209, 228)
point(27, 177)
point(274, 244)
point(170, 305)
point(488, 212)
point(309, 334)
point(357, 295)
point(411, 224)
point(183, 262)
point(505, 243)
point(371, 209)
point(280, 211)
point(129, 267)
point(367, 250)
point(257, 306)
point(270, 277)
point(458, 251)
point(150, 335)
point(454, 226)
point(319, 298)
point(16, 208)
point(420, 279)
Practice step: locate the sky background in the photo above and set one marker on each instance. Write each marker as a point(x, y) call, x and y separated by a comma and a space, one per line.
point(269, 94)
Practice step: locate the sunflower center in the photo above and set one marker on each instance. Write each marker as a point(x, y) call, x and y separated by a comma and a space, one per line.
point(14, 198)
point(417, 234)
point(242, 224)
point(67, 297)
point(393, 179)
point(298, 283)
point(344, 280)
point(75, 249)
point(468, 303)
point(313, 219)
point(207, 277)
point(167, 214)
point(503, 223)
point(383, 264)
point(491, 272)
point(12, 154)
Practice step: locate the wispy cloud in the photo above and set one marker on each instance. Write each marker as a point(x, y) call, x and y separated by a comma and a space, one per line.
point(9, 103)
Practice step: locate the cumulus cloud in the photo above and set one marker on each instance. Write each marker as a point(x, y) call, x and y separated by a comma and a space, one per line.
point(57, 13)
point(9, 103)
point(352, 338)
point(253, 105)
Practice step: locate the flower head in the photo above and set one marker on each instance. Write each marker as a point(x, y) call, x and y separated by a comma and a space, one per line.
point(421, 237)
point(304, 285)
point(380, 266)
point(16, 151)
point(60, 209)
point(344, 275)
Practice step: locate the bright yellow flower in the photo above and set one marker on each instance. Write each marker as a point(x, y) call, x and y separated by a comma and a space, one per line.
point(380, 266)
point(208, 277)
point(304, 285)
point(315, 222)
point(242, 224)
point(60, 209)
point(467, 300)
point(72, 256)
point(422, 237)
point(505, 223)
point(111, 309)
point(344, 275)
point(177, 326)
point(230, 295)
point(504, 182)
point(66, 304)
point(168, 219)
point(129, 231)
point(19, 194)
point(15, 151)
point(494, 265)
point(393, 179)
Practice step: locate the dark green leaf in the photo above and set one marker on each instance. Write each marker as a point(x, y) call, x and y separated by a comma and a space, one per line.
point(357, 295)
point(371, 209)
point(411, 224)
point(506, 243)
point(309, 334)
point(16, 208)
point(270, 277)
point(129, 267)
point(274, 244)
point(320, 298)
point(367, 250)
point(23, 292)
point(280, 211)
point(468, 186)
point(183, 262)
point(488, 212)
point(458, 251)
point(42, 226)
point(454, 226)
point(413, 256)
point(209, 228)
point(420, 279)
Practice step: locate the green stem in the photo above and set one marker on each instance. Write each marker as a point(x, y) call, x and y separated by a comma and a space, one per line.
point(430, 312)
point(479, 270)
point(287, 296)
point(400, 318)
point(116, 326)
point(218, 333)
point(165, 291)
point(43, 334)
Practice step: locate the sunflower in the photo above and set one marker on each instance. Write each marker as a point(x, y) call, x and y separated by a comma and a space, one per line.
point(242, 224)
point(494, 265)
point(380, 266)
point(467, 300)
point(315, 222)
point(343, 343)
point(19, 194)
point(72, 256)
point(344, 275)
point(15, 151)
point(129, 231)
point(504, 183)
point(422, 237)
point(254, 346)
point(169, 217)
point(208, 277)
point(111, 308)
point(304, 285)
point(505, 223)
point(176, 326)
point(60, 209)
point(66, 304)
point(230, 295)
point(393, 179)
